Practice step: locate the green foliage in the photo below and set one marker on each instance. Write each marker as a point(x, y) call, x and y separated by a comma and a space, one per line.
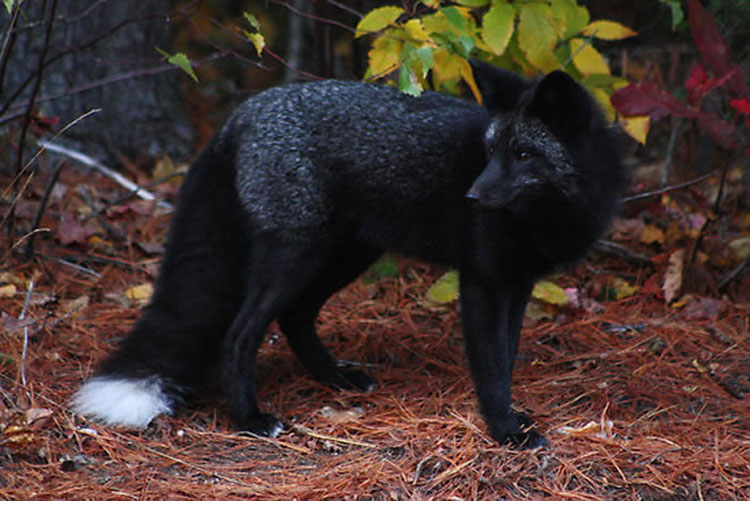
point(677, 13)
point(430, 50)
point(9, 4)
point(445, 290)
point(255, 37)
point(181, 61)
point(385, 267)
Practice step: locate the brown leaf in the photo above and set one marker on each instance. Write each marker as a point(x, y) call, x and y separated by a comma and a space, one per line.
point(703, 308)
point(71, 230)
point(673, 277)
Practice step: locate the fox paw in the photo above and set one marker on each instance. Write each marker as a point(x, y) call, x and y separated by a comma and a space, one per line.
point(264, 425)
point(524, 437)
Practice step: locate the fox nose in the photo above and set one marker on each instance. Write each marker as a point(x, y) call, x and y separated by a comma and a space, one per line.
point(472, 196)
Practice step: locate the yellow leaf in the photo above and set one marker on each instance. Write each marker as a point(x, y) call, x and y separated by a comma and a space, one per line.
point(445, 290)
point(602, 97)
point(165, 168)
point(384, 55)
point(608, 30)
point(587, 59)
point(377, 19)
point(468, 76)
point(622, 289)
point(258, 41)
point(576, 17)
point(550, 293)
point(140, 293)
point(446, 66)
point(437, 23)
point(637, 127)
point(497, 27)
point(537, 312)
point(652, 234)
point(416, 31)
point(537, 36)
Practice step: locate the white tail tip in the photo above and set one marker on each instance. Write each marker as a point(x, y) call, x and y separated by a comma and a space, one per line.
point(122, 401)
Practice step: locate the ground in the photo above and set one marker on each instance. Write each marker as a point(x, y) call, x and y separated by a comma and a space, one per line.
point(639, 398)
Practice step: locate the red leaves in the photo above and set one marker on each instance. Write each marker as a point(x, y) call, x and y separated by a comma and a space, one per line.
point(699, 83)
point(742, 106)
point(650, 99)
point(713, 47)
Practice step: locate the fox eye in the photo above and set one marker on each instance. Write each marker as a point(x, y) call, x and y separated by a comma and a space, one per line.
point(523, 155)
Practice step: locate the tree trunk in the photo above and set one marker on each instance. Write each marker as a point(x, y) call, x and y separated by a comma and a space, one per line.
point(102, 55)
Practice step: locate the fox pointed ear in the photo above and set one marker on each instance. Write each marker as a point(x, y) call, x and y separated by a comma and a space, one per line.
point(500, 88)
point(562, 104)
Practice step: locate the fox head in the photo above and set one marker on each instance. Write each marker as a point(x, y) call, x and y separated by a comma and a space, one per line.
point(553, 165)
point(540, 146)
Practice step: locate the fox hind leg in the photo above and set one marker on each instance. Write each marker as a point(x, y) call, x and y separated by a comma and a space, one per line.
point(298, 321)
point(279, 273)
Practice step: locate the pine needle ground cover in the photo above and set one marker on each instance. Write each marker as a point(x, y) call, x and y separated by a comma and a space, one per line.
point(640, 398)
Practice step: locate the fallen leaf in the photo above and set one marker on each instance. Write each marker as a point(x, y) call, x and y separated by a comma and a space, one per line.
point(620, 289)
point(593, 428)
point(37, 417)
point(551, 293)
point(703, 308)
point(341, 416)
point(673, 277)
point(140, 293)
point(8, 291)
point(71, 230)
point(536, 312)
point(445, 290)
point(74, 305)
point(165, 168)
point(652, 234)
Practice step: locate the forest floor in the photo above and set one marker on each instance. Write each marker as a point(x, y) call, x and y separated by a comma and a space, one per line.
point(638, 373)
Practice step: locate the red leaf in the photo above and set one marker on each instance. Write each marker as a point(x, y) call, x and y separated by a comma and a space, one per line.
point(648, 98)
point(713, 47)
point(742, 106)
point(699, 84)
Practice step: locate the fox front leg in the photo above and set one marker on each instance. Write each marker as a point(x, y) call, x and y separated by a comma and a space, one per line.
point(491, 319)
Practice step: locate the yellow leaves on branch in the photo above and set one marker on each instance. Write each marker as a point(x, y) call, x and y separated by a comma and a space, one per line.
point(608, 30)
point(497, 27)
point(637, 127)
point(532, 37)
point(587, 59)
point(378, 19)
point(538, 35)
point(385, 56)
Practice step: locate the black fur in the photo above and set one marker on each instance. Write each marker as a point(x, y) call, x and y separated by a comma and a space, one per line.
point(307, 185)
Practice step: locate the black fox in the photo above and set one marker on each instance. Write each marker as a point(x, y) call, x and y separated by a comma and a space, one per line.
point(307, 184)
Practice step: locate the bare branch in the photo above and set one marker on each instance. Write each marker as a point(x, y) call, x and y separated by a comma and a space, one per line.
point(111, 173)
point(666, 189)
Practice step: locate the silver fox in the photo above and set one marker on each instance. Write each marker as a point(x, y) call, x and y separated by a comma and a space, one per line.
point(306, 185)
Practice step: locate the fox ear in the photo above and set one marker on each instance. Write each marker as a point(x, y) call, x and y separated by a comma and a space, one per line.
point(500, 88)
point(562, 104)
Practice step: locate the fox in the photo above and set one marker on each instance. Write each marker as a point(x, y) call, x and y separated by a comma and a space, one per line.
point(306, 185)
